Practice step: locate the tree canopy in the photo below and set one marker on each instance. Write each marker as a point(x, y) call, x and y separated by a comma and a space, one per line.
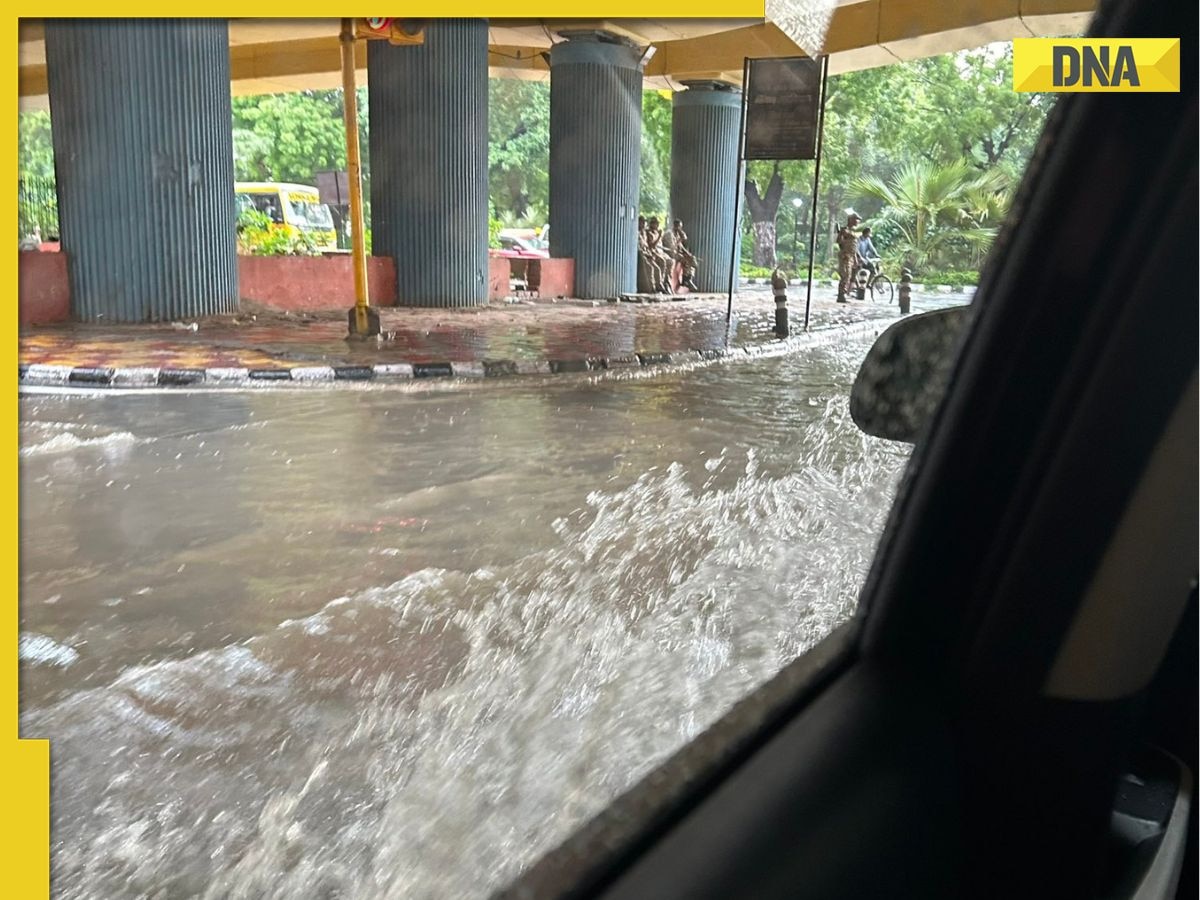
point(290, 137)
point(519, 150)
point(35, 154)
point(955, 112)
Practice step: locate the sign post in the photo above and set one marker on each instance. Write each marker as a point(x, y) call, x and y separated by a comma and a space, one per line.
point(334, 190)
point(738, 178)
point(334, 187)
point(812, 226)
point(364, 321)
point(783, 105)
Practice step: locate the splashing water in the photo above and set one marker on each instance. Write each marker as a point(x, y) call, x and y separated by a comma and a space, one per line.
point(430, 735)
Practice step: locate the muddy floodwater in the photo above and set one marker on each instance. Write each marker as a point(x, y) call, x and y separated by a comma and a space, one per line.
point(380, 643)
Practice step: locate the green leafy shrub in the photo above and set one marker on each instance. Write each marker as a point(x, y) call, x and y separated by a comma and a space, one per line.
point(820, 273)
point(952, 278)
point(749, 271)
point(494, 226)
point(257, 237)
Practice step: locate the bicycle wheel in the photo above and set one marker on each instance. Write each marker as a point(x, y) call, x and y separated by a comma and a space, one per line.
point(881, 289)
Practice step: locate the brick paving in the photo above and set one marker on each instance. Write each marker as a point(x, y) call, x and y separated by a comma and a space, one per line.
point(260, 338)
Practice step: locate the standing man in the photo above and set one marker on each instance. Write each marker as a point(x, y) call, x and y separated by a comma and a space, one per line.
point(654, 238)
point(847, 242)
point(647, 277)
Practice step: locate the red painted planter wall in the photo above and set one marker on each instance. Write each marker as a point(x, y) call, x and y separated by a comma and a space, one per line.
point(554, 277)
point(499, 271)
point(313, 282)
point(558, 277)
point(283, 282)
point(43, 295)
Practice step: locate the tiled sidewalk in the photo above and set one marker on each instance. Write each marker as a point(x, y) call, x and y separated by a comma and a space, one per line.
point(497, 339)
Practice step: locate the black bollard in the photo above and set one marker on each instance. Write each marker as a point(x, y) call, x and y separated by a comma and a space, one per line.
point(905, 291)
point(779, 284)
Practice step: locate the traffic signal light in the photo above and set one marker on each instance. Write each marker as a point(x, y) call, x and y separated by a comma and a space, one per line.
point(394, 31)
point(407, 31)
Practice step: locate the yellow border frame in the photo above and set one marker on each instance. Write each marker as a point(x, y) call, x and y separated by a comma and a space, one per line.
point(24, 765)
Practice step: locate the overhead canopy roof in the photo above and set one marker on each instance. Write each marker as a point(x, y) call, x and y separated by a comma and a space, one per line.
point(281, 55)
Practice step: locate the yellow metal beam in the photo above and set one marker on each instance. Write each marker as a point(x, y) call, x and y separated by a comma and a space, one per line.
point(272, 55)
point(31, 81)
point(360, 319)
point(695, 58)
point(1056, 18)
point(288, 61)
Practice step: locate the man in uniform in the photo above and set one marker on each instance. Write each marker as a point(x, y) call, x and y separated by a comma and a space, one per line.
point(847, 242)
point(685, 256)
point(647, 276)
point(656, 252)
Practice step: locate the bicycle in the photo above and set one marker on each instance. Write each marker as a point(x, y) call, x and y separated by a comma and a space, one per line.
point(876, 282)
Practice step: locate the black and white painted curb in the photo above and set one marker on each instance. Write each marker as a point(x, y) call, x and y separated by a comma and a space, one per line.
point(140, 377)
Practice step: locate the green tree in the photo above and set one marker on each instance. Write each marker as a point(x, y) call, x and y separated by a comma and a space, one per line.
point(519, 151)
point(35, 149)
point(37, 200)
point(937, 209)
point(969, 111)
point(764, 191)
point(943, 109)
point(290, 137)
point(655, 199)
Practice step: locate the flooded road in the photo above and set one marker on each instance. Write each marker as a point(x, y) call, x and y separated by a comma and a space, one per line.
point(399, 642)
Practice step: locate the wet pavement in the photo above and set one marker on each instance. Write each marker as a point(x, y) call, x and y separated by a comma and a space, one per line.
point(400, 642)
point(264, 338)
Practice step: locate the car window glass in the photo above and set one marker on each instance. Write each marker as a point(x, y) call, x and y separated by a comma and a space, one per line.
point(399, 623)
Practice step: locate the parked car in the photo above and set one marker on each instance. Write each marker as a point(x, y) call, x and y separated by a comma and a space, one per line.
point(518, 248)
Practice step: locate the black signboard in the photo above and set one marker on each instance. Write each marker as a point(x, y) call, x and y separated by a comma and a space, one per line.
point(334, 188)
point(783, 100)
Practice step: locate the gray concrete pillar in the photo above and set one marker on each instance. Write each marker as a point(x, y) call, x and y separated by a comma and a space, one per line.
point(704, 151)
point(595, 160)
point(429, 177)
point(143, 154)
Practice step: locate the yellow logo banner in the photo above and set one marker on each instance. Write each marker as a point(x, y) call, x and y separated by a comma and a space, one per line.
point(1096, 64)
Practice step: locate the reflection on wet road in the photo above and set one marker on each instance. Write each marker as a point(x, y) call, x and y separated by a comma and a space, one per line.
point(531, 332)
point(382, 643)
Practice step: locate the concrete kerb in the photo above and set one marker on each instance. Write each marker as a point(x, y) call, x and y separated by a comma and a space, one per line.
point(42, 375)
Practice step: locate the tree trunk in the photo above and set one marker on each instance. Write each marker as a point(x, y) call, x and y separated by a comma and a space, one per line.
point(763, 209)
point(764, 243)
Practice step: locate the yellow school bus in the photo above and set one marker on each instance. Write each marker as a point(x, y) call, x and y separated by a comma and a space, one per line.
point(291, 207)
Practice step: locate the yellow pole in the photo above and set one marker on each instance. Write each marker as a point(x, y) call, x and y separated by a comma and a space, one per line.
point(360, 322)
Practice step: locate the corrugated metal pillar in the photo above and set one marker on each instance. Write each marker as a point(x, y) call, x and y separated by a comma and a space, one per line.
point(143, 153)
point(704, 151)
point(595, 159)
point(429, 178)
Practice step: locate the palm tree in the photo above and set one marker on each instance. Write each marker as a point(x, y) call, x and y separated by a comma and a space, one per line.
point(937, 208)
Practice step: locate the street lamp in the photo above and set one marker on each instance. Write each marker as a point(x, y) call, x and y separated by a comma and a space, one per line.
point(796, 204)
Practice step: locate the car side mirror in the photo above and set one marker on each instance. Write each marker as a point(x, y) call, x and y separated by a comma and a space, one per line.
point(904, 375)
